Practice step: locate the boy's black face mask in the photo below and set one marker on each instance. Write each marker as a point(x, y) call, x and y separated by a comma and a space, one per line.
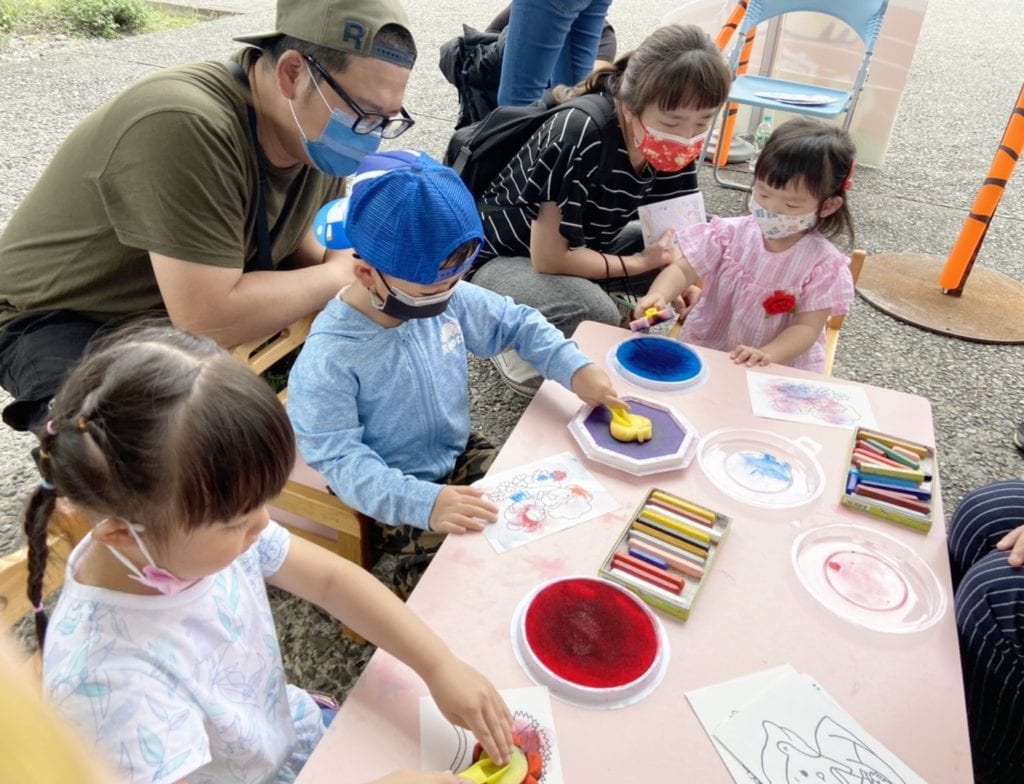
point(404, 307)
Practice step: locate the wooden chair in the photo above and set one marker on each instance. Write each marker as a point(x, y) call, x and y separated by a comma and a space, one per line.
point(835, 323)
point(306, 507)
point(832, 326)
point(66, 529)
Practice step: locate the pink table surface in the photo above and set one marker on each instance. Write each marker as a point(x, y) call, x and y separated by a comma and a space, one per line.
point(753, 613)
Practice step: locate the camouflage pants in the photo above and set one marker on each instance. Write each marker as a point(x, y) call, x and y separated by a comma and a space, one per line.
point(414, 548)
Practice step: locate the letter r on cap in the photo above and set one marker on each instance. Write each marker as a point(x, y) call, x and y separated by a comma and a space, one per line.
point(356, 33)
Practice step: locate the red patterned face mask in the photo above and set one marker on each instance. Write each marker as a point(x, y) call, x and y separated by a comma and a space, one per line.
point(668, 153)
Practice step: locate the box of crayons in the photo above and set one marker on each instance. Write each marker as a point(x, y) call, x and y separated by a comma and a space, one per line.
point(666, 551)
point(890, 478)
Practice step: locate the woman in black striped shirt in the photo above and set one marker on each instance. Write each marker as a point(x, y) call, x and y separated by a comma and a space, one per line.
point(986, 553)
point(560, 227)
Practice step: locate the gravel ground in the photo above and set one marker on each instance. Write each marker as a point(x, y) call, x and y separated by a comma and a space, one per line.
point(940, 149)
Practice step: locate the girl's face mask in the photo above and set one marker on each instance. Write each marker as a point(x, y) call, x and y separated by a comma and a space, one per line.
point(775, 226)
point(339, 150)
point(151, 575)
point(668, 153)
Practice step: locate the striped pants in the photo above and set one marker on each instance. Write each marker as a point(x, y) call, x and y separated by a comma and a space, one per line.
point(989, 602)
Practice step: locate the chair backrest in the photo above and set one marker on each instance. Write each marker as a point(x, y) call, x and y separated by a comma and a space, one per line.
point(835, 323)
point(66, 529)
point(863, 16)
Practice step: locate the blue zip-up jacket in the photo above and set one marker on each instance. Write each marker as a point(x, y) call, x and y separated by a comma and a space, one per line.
point(383, 414)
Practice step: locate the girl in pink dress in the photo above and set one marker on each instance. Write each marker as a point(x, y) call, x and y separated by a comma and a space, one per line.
point(773, 277)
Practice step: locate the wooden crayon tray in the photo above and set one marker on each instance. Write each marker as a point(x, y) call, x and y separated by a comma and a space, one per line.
point(890, 478)
point(665, 553)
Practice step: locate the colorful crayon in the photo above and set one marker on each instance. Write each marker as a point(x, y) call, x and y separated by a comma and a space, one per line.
point(669, 547)
point(892, 454)
point(668, 585)
point(642, 585)
point(921, 493)
point(851, 479)
point(664, 574)
point(685, 506)
point(899, 473)
point(889, 441)
point(685, 527)
point(653, 560)
point(899, 499)
point(871, 457)
point(684, 518)
point(637, 546)
point(680, 540)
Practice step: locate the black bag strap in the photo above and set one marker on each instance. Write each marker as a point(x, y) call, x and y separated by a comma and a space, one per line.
point(264, 259)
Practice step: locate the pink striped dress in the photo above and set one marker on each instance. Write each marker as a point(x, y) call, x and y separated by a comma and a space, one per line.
point(739, 274)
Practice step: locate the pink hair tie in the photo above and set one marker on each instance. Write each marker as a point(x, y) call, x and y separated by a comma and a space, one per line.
point(51, 429)
point(39, 608)
point(849, 178)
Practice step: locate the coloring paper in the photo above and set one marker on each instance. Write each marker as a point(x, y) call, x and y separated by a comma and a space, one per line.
point(445, 746)
point(542, 498)
point(675, 214)
point(794, 726)
point(808, 401)
point(715, 704)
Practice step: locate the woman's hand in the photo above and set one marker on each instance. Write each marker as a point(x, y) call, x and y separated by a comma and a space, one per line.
point(1014, 542)
point(466, 698)
point(660, 254)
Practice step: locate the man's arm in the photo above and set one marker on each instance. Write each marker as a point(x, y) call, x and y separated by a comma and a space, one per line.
point(232, 307)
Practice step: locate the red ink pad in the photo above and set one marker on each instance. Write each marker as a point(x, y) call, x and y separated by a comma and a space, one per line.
point(590, 641)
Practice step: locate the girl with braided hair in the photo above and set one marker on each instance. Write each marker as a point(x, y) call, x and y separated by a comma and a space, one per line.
point(161, 650)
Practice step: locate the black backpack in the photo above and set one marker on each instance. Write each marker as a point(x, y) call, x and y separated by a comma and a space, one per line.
point(472, 64)
point(479, 152)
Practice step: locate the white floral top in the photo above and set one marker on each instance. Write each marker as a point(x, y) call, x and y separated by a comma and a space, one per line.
point(190, 685)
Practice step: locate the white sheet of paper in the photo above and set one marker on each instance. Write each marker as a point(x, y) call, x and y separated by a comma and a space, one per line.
point(676, 214)
point(795, 724)
point(445, 746)
point(808, 401)
point(717, 703)
point(543, 498)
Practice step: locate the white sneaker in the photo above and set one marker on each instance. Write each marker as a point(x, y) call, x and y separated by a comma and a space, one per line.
point(517, 374)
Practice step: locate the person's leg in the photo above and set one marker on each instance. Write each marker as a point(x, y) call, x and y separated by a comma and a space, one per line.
point(537, 32)
point(576, 60)
point(990, 624)
point(36, 352)
point(1018, 437)
point(474, 462)
point(983, 517)
point(565, 300)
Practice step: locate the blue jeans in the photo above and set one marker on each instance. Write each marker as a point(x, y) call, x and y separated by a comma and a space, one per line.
point(549, 42)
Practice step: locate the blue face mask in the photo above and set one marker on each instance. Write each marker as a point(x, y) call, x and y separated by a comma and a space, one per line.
point(339, 149)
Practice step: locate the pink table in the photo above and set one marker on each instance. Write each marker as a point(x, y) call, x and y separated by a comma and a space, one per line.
point(752, 614)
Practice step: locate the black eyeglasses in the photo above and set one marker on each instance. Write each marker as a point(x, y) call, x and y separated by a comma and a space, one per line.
point(368, 122)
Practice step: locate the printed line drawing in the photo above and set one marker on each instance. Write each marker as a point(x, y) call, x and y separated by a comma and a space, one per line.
point(835, 755)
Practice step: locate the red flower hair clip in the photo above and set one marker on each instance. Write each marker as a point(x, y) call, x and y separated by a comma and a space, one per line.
point(778, 302)
point(849, 179)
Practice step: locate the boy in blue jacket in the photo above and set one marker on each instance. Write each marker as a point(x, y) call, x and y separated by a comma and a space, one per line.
point(379, 396)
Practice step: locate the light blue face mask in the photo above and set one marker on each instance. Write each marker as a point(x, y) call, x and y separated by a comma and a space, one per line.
point(339, 149)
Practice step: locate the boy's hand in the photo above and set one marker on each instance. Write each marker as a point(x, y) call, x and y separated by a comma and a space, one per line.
point(459, 509)
point(468, 699)
point(593, 386)
point(749, 356)
point(1014, 542)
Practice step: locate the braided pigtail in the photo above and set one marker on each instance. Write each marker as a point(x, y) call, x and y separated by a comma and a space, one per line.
point(37, 517)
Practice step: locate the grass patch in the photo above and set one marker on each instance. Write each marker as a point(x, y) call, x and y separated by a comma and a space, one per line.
point(88, 18)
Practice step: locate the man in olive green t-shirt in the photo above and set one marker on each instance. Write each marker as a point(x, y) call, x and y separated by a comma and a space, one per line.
point(163, 201)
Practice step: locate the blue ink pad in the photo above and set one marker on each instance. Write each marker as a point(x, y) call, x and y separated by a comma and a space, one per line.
point(657, 362)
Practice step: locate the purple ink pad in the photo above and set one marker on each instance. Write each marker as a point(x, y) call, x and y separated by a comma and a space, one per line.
point(667, 449)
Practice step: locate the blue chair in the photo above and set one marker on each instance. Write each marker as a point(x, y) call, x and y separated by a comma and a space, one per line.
point(827, 103)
